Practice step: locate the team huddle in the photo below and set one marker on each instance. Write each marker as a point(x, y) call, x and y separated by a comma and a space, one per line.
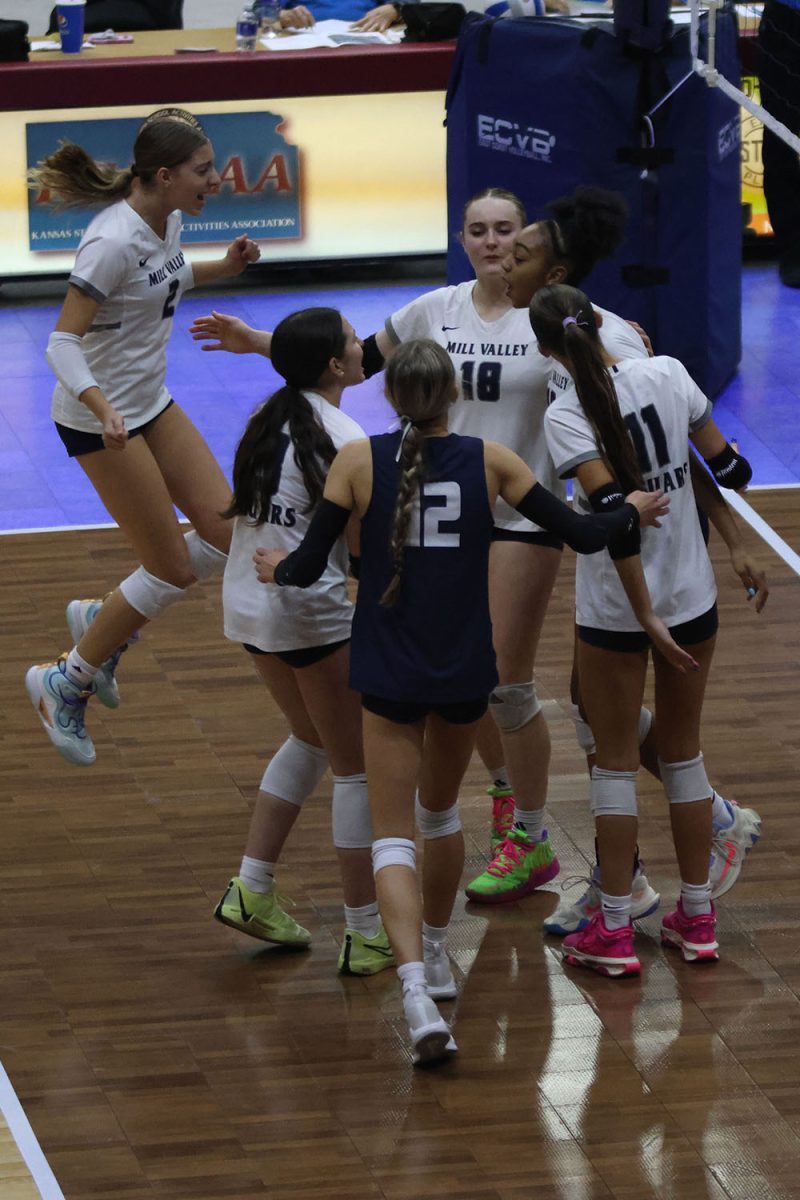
point(453, 523)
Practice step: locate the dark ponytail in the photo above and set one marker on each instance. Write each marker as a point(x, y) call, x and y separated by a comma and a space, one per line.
point(564, 323)
point(302, 346)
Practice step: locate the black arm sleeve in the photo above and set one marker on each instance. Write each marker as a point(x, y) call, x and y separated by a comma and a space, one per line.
point(305, 564)
point(586, 534)
point(373, 360)
point(609, 498)
point(730, 469)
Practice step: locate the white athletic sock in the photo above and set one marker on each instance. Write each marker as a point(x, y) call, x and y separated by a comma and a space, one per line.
point(257, 875)
point(411, 976)
point(722, 815)
point(533, 821)
point(616, 910)
point(433, 934)
point(364, 920)
point(498, 777)
point(79, 671)
point(696, 898)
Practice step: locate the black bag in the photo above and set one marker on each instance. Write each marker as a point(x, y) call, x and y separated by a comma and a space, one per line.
point(432, 22)
point(13, 41)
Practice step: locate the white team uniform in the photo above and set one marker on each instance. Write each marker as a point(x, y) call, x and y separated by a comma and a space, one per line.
point(502, 379)
point(660, 403)
point(505, 384)
point(137, 280)
point(618, 339)
point(274, 618)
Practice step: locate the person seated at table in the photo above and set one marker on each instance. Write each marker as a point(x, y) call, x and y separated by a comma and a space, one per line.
point(126, 15)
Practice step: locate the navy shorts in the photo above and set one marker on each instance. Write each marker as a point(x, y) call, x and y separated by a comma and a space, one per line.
point(306, 656)
point(408, 712)
point(690, 633)
point(78, 441)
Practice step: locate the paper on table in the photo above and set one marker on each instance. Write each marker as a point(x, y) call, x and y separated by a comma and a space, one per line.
point(35, 45)
point(329, 34)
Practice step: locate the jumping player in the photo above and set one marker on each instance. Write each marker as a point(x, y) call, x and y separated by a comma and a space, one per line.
point(422, 653)
point(112, 410)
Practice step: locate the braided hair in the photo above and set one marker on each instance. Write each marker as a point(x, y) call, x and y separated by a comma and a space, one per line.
point(564, 323)
point(302, 346)
point(420, 386)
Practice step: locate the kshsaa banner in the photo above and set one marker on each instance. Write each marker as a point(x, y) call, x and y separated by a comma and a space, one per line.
point(259, 193)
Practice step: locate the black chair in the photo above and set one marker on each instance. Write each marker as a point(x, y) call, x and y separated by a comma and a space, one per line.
point(124, 16)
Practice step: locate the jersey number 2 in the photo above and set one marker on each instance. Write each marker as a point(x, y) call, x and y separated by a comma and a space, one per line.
point(651, 419)
point(435, 516)
point(169, 303)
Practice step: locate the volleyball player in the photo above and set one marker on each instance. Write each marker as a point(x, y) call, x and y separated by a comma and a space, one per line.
point(300, 642)
point(112, 410)
point(503, 395)
point(557, 250)
point(625, 423)
point(422, 654)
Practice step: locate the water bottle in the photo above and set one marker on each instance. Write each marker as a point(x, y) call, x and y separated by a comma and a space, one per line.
point(246, 30)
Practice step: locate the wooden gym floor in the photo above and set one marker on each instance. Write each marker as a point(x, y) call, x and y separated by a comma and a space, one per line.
point(160, 1055)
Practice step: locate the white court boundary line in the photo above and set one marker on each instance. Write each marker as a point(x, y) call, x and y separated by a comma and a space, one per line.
point(20, 1129)
point(765, 531)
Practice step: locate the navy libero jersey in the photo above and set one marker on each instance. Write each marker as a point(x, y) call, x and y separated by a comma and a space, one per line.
point(435, 644)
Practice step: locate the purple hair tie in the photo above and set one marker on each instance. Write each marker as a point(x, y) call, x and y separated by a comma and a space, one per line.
point(569, 321)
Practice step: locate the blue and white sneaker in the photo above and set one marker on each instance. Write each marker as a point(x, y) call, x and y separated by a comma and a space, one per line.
point(575, 917)
point(61, 707)
point(730, 847)
point(80, 614)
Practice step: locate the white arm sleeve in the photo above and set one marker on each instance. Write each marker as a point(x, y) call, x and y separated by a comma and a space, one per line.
point(65, 358)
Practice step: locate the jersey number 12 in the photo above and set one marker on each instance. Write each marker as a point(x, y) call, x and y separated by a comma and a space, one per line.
point(431, 533)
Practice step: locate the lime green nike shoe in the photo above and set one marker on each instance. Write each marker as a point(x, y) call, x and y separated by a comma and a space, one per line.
point(519, 867)
point(365, 956)
point(260, 915)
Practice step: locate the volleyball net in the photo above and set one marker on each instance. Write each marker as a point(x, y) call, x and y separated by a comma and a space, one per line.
point(703, 53)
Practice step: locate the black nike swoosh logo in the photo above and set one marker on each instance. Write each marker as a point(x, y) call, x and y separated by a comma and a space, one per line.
point(242, 909)
point(445, 328)
point(143, 261)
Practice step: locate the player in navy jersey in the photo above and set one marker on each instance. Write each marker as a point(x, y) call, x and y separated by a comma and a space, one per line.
point(503, 396)
point(626, 423)
point(112, 410)
point(559, 249)
point(422, 653)
point(300, 642)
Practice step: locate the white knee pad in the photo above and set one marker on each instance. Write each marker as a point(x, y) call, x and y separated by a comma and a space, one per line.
point(513, 705)
point(148, 595)
point(393, 852)
point(207, 561)
point(437, 824)
point(685, 782)
point(583, 730)
point(613, 793)
point(352, 827)
point(294, 771)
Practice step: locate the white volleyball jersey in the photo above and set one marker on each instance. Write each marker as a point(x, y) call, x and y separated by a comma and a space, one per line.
point(137, 280)
point(275, 618)
point(618, 339)
point(502, 379)
point(660, 404)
